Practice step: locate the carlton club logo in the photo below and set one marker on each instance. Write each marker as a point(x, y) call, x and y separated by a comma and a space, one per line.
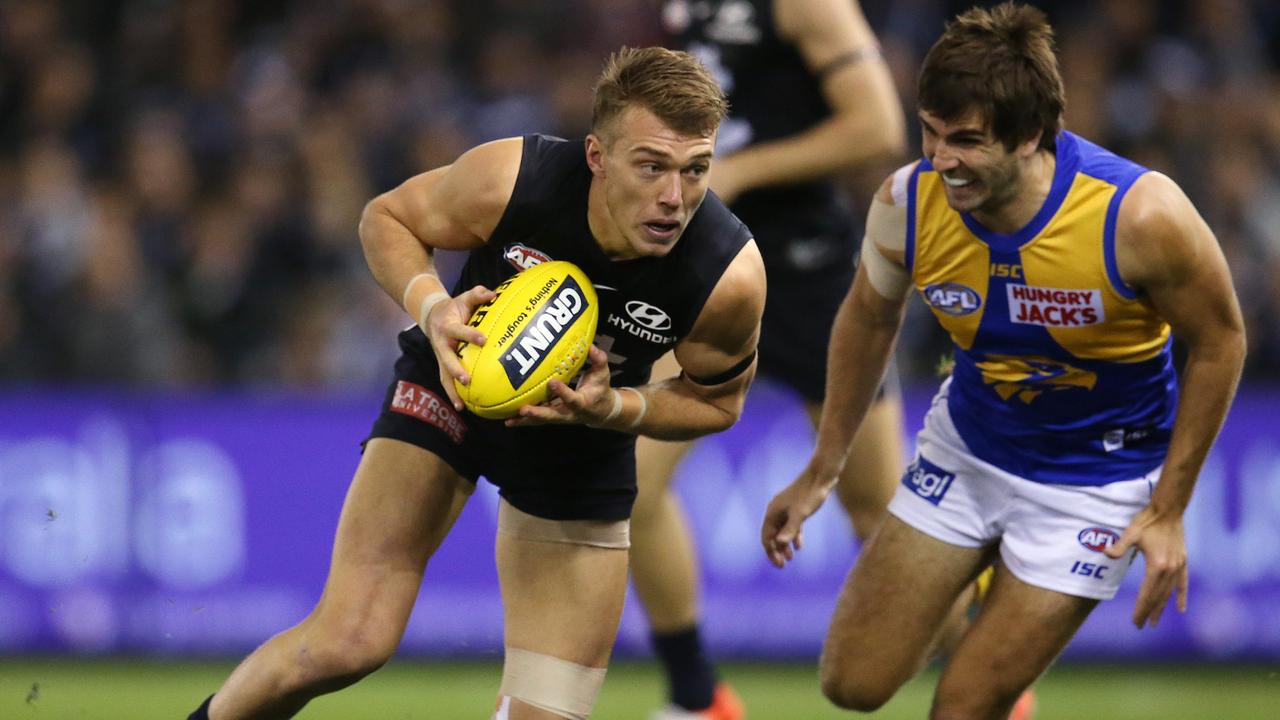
point(1029, 377)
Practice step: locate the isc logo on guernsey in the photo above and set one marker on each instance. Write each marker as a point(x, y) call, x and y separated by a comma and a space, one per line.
point(927, 480)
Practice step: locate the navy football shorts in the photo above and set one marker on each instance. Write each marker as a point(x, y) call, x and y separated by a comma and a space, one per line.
point(810, 270)
point(558, 472)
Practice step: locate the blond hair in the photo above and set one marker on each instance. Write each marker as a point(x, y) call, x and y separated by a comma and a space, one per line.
point(672, 85)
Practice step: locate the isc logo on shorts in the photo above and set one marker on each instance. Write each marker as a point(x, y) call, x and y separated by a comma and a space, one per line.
point(927, 480)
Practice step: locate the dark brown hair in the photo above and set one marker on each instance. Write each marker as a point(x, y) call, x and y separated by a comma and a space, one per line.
point(672, 85)
point(1002, 63)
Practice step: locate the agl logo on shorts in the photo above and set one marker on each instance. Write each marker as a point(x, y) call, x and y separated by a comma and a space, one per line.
point(927, 480)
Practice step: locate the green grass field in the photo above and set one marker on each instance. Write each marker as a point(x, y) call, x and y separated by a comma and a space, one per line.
point(62, 689)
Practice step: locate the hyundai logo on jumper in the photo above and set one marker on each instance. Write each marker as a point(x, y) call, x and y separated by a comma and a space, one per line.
point(927, 480)
point(1097, 539)
point(952, 298)
point(545, 329)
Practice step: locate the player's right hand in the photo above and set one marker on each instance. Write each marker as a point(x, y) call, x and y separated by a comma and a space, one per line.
point(1160, 539)
point(446, 328)
point(782, 533)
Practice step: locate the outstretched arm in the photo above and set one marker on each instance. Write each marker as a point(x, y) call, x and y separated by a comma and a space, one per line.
point(1165, 250)
point(455, 207)
point(862, 340)
point(866, 121)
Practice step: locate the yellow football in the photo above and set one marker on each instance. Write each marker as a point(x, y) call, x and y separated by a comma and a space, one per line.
point(537, 328)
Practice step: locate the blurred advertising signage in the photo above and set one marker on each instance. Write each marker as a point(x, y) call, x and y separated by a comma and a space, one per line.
point(202, 524)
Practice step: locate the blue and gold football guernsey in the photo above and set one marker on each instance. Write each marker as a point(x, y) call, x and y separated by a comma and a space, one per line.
point(1063, 373)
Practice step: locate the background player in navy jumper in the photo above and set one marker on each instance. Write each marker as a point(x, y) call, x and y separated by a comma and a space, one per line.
point(630, 212)
point(810, 98)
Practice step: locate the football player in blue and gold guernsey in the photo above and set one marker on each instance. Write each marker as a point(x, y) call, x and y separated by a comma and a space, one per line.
point(1063, 443)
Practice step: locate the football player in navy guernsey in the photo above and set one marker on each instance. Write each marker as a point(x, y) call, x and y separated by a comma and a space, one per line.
point(810, 97)
point(1064, 442)
point(673, 268)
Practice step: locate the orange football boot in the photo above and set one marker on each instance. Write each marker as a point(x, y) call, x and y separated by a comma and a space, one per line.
point(725, 705)
point(1025, 708)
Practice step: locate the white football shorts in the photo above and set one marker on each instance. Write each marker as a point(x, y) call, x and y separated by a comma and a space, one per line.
point(1050, 536)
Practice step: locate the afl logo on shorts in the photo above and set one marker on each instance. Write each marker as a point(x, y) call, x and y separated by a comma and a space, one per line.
point(648, 315)
point(952, 298)
point(524, 257)
point(1097, 539)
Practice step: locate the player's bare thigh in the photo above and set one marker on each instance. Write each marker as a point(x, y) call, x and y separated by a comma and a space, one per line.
point(399, 508)
point(890, 611)
point(562, 599)
point(400, 505)
point(561, 604)
point(1016, 636)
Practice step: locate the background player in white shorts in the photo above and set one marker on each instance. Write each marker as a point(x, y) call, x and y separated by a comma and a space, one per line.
point(1059, 270)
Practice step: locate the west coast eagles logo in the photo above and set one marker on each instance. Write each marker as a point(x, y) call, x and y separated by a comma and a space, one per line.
point(1028, 377)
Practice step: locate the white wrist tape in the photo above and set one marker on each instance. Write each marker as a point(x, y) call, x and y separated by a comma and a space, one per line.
point(644, 407)
point(408, 288)
point(428, 304)
point(617, 407)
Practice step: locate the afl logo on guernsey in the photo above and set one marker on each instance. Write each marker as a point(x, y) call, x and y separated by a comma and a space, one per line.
point(952, 298)
point(1097, 539)
point(523, 256)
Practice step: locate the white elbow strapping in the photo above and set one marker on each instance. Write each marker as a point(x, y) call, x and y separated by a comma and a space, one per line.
point(886, 228)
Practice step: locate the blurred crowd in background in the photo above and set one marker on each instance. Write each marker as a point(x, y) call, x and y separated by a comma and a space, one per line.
point(180, 182)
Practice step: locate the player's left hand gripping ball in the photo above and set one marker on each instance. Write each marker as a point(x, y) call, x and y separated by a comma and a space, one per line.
point(538, 328)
